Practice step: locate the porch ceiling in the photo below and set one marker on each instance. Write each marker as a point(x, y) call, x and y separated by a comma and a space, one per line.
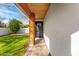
point(39, 9)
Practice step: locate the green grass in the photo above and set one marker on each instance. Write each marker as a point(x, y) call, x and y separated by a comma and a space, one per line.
point(13, 45)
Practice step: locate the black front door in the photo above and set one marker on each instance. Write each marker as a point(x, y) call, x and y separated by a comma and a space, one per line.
point(39, 29)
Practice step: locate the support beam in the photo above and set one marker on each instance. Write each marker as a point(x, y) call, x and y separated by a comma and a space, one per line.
point(32, 29)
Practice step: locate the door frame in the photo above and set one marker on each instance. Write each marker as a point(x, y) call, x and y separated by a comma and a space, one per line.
point(42, 27)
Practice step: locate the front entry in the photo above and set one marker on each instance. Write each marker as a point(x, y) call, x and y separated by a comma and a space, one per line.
point(39, 29)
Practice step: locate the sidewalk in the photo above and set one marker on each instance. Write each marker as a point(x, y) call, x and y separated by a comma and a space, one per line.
point(39, 49)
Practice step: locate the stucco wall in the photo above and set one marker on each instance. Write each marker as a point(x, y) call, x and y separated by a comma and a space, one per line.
point(61, 22)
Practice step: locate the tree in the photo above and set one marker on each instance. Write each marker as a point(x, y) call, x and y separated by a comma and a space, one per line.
point(0, 23)
point(14, 25)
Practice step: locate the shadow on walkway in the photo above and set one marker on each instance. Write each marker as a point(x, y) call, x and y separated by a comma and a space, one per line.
point(37, 40)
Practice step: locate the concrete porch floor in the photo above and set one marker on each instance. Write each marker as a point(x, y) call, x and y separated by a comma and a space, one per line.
point(39, 49)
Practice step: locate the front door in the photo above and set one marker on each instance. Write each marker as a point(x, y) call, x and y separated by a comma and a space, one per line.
point(39, 29)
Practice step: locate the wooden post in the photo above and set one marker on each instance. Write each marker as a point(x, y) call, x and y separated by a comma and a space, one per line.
point(32, 29)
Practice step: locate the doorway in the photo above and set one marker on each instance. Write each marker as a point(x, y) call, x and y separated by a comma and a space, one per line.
point(39, 29)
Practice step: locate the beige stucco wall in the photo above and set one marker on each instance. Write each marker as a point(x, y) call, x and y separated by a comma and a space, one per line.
point(61, 22)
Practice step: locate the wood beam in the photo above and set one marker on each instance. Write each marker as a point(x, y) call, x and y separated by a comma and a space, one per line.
point(24, 8)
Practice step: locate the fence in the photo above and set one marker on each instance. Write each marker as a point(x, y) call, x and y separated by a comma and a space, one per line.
point(5, 31)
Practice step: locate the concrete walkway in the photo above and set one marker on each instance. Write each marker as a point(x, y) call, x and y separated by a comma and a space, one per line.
point(39, 49)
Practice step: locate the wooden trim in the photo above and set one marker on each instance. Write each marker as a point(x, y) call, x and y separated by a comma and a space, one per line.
point(18, 7)
point(24, 7)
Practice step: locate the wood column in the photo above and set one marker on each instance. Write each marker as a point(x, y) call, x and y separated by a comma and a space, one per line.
point(32, 29)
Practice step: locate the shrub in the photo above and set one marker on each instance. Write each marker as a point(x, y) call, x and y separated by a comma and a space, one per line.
point(14, 25)
point(25, 26)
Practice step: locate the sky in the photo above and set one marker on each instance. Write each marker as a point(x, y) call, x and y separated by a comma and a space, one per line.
point(9, 11)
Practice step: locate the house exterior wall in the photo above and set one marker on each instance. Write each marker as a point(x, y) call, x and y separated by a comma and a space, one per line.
point(61, 22)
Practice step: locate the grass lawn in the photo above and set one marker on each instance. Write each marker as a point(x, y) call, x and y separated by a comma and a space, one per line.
point(13, 45)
